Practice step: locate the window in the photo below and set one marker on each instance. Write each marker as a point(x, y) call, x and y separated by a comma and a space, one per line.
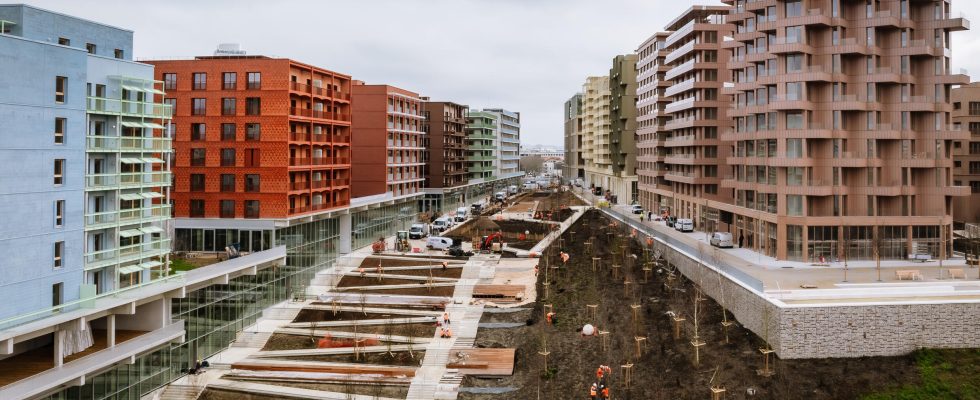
point(197, 208)
point(252, 106)
point(227, 157)
point(59, 213)
point(227, 208)
point(794, 62)
point(61, 88)
point(228, 106)
point(974, 167)
point(974, 128)
point(200, 81)
point(227, 182)
point(794, 148)
point(794, 34)
point(974, 186)
point(198, 132)
point(252, 158)
point(169, 81)
point(794, 91)
point(197, 182)
point(254, 80)
point(228, 132)
point(794, 176)
point(974, 148)
point(64, 41)
point(794, 120)
point(974, 108)
point(229, 80)
point(56, 294)
point(252, 182)
point(59, 171)
point(199, 106)
point(251, 208)
point(90, 48)
point(60, 126)
point(794, 8)
point(59, 253)
point(198, 156)
point(253, 132)
point(118, 53)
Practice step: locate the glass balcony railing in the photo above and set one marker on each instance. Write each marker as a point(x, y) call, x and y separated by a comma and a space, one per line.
point(132, 108)
point(127, 180)
point(102, 258)
point(128, 144)
point(101, 220)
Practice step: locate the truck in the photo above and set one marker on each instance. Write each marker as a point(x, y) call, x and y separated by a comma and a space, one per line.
point(500, 196)
point(418, 231)
point(462, 214)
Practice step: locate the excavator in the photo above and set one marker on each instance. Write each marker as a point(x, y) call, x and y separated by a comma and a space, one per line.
point(487, 242)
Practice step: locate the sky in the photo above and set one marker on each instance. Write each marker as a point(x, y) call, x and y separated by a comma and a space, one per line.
point(521, 55)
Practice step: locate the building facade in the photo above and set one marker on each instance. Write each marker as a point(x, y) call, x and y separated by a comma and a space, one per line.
point(85, 205)
point(509, 143)
point(622, 120)
point(843, 137)
point(966, 153)
point(650, 120)
point(388, 141)
point(445, 156)
point(482, 145)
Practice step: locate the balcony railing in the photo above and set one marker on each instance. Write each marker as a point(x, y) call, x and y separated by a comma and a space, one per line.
point(101, 220)
point(102, 105)
point(98, 259)
point(128, 144)
point(127, 180)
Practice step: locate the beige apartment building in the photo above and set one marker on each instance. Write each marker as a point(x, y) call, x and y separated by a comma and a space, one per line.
point(595, 133)
point(608, 130)
point(697, 110)
point(843, 137)
point(650, 120)
point(966, 153)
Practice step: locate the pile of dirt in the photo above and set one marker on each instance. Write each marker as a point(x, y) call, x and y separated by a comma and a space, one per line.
point(667, 368)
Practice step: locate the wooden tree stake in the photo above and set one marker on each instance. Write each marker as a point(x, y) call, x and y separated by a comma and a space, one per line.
point(639, 345)
point(593, 312)
point(627, 374)
point(677, 326)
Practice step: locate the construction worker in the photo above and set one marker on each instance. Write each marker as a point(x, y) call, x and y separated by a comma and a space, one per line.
point(379, 269)
point(605, 392)
point(445, 264)
point(598, 373)
point(442, 331)
point(535, 269)
point(449, 332)
point(445, 318)
point(607, 371)
point(593, 391)
point(361, 270)
point(551, 318)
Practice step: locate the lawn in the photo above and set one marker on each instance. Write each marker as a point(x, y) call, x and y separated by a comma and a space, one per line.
point(945, 374)
point(180, 265)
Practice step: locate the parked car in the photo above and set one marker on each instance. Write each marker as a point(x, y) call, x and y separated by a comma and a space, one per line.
point(441, 224)
point(636, 209)
point(462, 214)
point(684, 225)
point(438, 242)
point(477, 208)
point(670, 221)
point(722, 239)
point(418, 231)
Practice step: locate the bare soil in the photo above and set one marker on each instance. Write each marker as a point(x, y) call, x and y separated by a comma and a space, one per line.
point(554, 201)
point(372, 262)
point(667, 368)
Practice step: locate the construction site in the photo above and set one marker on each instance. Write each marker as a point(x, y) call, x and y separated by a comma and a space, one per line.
point(550, 298)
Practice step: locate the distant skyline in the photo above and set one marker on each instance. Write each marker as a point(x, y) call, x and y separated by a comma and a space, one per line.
point(526, 56)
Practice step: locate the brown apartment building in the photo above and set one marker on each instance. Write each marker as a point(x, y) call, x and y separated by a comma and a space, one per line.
point(257, 137)
point(650, 121)
point(966, 153)
point(843, 138)
point(387, 140)
point(445, 129)
point(694, 153)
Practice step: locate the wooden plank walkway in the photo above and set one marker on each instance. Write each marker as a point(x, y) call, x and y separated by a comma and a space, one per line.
point(332, 351)
point(362, 322)
point(253, 364)
point(376, 310)
point(470, 361)
point(319, 333)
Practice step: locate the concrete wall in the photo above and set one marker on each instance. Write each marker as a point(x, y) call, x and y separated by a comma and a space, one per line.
point(27, 192)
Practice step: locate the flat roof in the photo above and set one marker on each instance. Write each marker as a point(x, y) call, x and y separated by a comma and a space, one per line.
point(695, 12)
point(67, 16)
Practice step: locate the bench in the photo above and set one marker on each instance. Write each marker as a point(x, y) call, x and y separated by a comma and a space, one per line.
point(908, 274)
point(920, 257)
point(957, 273)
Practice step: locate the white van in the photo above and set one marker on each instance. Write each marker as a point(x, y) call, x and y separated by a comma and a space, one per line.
point(441, 224)
point(512, 189)
point(684, 225)
point(721, 239)
point(461, 214)
point(530, 186)
point(438, 242)
point(500, 196)
point(418, 231)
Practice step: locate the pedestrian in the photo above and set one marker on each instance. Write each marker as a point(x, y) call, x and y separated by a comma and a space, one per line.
point(649, 215)
point(739, 240)
point(593, 391)
point(445, 318)
point(641, 218)
point(445, 264)
point(605, 393)
point(535, 269)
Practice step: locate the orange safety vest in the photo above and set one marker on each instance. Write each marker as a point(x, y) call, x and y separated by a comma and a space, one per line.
point(598, 373)
point(605, 393)
point(592, 392)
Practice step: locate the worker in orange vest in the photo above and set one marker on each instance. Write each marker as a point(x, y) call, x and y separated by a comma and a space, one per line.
point(605, 392)
point(551, 317)
point(361, 270)
point(593, 391)
point(607, 370)
point(445, 265)
point(598, 373)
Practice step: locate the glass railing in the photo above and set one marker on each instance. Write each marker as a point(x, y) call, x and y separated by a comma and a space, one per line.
point(98, 259)
point(102, 105)
point(129, 216)
point(133, 144)
point(127, 180)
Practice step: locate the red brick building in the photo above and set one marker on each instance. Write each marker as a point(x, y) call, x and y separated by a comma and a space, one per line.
point(387, 141)
point(257, 137)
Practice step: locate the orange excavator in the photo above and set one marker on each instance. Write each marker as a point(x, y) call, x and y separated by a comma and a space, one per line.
point(487, 242)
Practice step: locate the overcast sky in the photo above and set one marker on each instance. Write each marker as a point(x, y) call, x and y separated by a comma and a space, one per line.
point(522, 55)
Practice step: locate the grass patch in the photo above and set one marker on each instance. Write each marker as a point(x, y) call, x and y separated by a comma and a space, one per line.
point(945, 374)
point(180, 265)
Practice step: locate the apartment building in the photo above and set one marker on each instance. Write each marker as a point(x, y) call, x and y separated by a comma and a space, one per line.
point(509, 143)
point(445, 156)
point(85, 205)
point(697, 113)
point(482, 145)
point(654, 190)
point(595, 133)
point(388, 141)
point(257, 140)
point(843, 138)
point(574, 163)
point(622, 124)
point(966, 153)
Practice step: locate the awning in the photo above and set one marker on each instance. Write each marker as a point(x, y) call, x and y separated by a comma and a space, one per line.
point(153, 125)
point(150, 264)
point(130, 269)
point(133, 88)
point(125, 160)
point(151, 229)
point(131, 124)
point(152, 160)
point(155, 91)
point(130, 233)
point(131, 196)
point(151, 195)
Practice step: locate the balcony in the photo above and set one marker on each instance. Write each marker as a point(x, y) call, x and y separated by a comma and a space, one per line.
point(789, 45)
point(920, 47)
point(128, 144)
point(127, 180)
point(480, 136)
point(318, 114)
point(300, 136)
point(852, 102)
point(679, 34)
point(680, 70)
point(107, 219)
point(119, 255)
point(128, 108)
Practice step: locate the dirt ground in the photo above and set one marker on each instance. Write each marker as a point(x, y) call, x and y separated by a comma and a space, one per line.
point(667, 368)
point(554, 201)
point(372, 262)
